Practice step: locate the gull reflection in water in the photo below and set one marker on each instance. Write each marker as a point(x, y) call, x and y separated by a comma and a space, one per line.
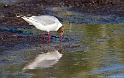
point(45, 60)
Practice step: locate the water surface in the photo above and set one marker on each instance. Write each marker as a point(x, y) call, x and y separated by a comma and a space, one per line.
point(87, 51)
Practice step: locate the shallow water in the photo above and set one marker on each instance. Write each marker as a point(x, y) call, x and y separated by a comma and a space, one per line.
point(91, 50)
point(86, 51)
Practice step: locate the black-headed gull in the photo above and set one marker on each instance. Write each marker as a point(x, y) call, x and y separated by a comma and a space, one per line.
point(45, 23)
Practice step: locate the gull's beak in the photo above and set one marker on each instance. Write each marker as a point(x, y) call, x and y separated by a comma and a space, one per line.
point(61, 36)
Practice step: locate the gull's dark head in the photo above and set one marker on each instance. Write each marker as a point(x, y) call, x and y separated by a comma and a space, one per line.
point(61, 31)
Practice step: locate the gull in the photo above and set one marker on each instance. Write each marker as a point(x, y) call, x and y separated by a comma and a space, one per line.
point(45, 23)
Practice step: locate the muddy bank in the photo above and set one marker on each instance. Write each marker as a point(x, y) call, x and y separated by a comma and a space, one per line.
point(38, 7)
point(102, 7)
point(88, 6)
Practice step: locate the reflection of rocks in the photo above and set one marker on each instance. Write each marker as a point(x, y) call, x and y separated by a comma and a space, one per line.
point(44, 60)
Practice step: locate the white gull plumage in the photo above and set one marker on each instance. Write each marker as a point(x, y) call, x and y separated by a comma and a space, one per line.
point(44, 22)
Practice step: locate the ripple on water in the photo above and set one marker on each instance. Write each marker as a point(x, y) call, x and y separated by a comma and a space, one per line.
point(110, 69)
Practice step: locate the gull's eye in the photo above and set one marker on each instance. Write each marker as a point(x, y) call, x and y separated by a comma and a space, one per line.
point(62, 31)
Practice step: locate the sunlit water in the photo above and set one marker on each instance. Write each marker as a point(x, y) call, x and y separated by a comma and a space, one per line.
point(88, 51)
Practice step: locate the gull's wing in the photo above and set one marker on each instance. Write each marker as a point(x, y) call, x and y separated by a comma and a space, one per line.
point(45, 19)
point(40, 22)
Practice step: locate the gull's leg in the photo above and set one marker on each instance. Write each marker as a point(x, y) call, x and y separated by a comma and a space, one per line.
point(49, 37)
point(43, 35)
